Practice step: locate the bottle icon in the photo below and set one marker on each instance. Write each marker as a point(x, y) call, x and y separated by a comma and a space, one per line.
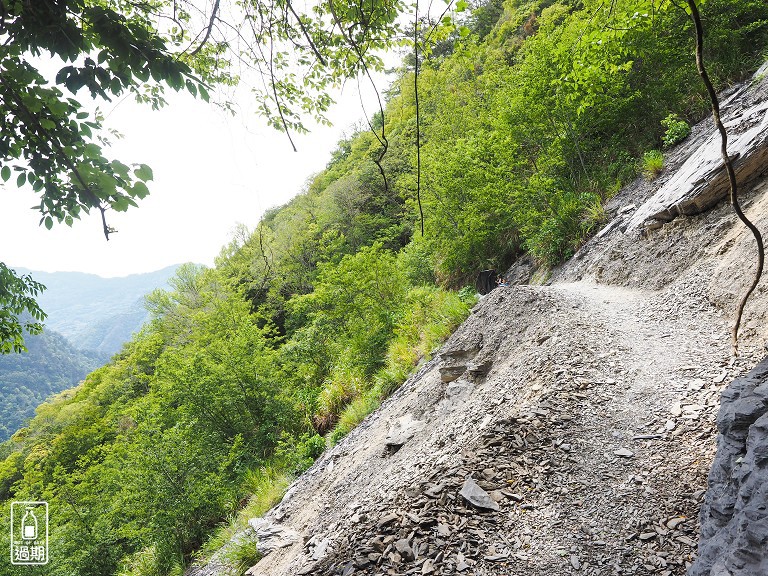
point(29, 525)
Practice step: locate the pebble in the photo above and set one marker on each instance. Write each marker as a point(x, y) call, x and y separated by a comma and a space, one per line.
point(403, 547)
point(675, 522)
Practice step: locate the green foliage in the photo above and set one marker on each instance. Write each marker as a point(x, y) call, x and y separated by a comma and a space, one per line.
point(354, 413)
point(55, 146)
point(428, 316)
point(241, 555)
point(17, 298)
point(676, 131)
point(149, 562)
point(50, 365)
point(653, 163)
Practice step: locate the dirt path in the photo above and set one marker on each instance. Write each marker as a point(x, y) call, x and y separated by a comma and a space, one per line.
point(645, 430)
point(589, 418)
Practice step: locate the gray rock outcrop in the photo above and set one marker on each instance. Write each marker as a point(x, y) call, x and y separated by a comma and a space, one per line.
point(734, 517)
point(271, 536)
point(701, 182)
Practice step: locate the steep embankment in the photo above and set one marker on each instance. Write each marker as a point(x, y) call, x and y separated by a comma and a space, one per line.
point(578, 418)
point(593, 429)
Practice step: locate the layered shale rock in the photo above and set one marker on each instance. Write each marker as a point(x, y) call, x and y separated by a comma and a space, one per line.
point(701, 182)
point(734, 517)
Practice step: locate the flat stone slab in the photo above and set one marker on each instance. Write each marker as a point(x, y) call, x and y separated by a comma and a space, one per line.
point(403, 430)
point(271, 535)
point(473, 494)
point(701, 182)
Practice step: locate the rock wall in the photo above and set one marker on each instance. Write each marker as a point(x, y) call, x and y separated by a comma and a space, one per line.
point(701, 182)
point(734, 517)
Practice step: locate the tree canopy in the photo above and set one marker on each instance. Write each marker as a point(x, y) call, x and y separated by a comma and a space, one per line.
point(55, 51)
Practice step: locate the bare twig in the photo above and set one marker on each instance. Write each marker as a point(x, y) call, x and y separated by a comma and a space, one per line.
point(273, 78)
point(695, 16)
point(383, 141)
point(306, 33)
point(208, 29)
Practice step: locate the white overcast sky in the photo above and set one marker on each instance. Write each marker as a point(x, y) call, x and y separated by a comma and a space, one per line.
point(211, 172)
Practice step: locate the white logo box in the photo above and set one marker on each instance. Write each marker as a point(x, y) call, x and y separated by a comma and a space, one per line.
point(29, 533)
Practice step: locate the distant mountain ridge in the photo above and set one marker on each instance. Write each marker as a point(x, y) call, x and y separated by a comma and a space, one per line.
point(89, 320)
point(50, 365)
point(94, 313)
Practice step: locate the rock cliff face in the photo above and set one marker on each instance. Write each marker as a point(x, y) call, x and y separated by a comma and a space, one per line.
point(734, 517)
point(701, 182)
point(564, 429)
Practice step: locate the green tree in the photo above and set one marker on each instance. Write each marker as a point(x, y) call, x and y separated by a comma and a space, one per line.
point(17, 298)
point(54, 145)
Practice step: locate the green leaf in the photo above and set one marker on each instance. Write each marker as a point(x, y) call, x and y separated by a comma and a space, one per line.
point(120, 205)
point(48, 222)
point(119, 168)
point(143, 172)
point(5, 173)
point(203, 93)
point(21, 179)
point(461, 5)
point(140, 190)
point(68, 220)
point(92, 151)
point(464, 31)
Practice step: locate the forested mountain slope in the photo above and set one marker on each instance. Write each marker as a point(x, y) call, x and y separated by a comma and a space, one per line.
point(50, 365)
point(533, 114)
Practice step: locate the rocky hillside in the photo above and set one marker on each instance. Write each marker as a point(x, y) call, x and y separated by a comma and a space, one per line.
point(568, 428)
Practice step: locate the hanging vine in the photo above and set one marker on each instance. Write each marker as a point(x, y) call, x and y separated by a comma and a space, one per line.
point(418, 114)
point(696, 17)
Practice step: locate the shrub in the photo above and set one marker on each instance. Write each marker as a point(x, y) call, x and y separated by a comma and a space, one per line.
point(430, 317)
point(468, 295)
point(343, 385)
point(150, 561)
point(653, 162)
point(354, 413)
point(242, 554)
point(677, 130)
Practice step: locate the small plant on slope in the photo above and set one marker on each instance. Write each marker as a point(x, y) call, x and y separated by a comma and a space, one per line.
point(677, 130)
point(653, 162)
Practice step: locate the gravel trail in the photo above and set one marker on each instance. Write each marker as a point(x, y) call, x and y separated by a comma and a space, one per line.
point(585, 411)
